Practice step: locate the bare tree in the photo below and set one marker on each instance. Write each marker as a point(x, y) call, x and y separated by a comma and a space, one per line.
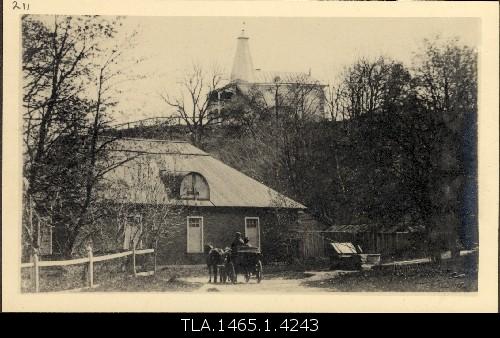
point(193, 103)
point(299, 103)
point(64, 157)
point(55, 68)
point(365, 87)
point(110, 73)
point(275, 120)
point(446, 74)
point(337, 108)
point(146, 193)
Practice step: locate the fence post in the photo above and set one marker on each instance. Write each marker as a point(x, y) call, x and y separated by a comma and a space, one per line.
point(133, 260)
point(154, 263)
point(154, 260)
point(91, 267)
point(37, 271)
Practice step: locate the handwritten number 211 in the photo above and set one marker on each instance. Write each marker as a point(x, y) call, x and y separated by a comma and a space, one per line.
point(22, 5)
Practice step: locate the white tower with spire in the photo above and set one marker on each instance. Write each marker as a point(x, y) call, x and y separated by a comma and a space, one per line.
point(243, 70)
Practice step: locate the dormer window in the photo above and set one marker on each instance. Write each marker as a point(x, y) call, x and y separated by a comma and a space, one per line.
point(194, 186)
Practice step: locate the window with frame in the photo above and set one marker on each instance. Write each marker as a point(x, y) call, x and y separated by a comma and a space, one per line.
point(194, 186)
point(194, 234)
point(132, 232)
point(252, 231)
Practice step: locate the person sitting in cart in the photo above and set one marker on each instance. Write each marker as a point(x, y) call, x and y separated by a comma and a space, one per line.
point(246, 241)
point(237, 242)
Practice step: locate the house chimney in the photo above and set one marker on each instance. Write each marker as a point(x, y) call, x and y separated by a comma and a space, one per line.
point(242, 65)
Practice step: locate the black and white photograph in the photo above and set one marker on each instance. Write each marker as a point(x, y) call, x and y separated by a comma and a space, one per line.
point(248, 155)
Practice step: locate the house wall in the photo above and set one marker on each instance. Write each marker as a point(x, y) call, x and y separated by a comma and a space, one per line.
point(219, 227)
point(314, 100)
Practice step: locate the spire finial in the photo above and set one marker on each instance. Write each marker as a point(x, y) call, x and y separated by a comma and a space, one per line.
point(242, 65)
point(243, 29)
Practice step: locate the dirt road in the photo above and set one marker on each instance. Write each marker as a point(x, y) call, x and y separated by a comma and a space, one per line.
point(269, 284)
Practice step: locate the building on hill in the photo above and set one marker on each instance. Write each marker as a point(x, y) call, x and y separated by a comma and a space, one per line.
point(283, 91)
point(181, 198)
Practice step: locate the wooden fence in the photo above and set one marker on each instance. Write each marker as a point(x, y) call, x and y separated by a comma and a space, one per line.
point(90, 259)
point(385, 243)
point(315, 243)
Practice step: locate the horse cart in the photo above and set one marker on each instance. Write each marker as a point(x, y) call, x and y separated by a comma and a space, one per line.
point(246, 260)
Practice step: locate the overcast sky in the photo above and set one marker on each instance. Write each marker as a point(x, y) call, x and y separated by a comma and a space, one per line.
point(325, 45)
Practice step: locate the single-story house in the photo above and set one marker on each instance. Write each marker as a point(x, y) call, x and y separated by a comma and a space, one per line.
point(177, 197)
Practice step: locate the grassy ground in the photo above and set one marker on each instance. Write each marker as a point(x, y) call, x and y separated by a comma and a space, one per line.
point(421, 278)
point(451, 275)
point(54, 280)
point(162, 281)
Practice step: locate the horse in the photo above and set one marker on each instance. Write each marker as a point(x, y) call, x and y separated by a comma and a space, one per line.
point(227, 272)
point(215, 257)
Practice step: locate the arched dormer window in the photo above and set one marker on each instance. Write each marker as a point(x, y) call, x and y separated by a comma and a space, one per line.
point(194, 186)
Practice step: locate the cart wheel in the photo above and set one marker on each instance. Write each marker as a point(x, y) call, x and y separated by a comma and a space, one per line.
point(260, 274)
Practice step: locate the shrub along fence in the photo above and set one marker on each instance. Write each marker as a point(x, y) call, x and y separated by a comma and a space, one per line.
point(36, 264)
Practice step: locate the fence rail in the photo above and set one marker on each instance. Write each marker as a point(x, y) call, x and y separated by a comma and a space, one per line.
point(90, 259)
point(86, 259)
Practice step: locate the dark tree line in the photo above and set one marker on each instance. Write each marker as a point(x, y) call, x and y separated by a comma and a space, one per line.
point(393, 152)
point(398, 149)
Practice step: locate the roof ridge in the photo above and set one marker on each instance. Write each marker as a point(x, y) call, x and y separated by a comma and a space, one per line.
point(145, 139)
point(156, 146)
point(229, 187)
point(158, 153)
point(285, 72)
point(153, 140)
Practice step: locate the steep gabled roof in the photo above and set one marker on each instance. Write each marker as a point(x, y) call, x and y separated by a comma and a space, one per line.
point(242, 65)
point(140, 177)
point(243, 71)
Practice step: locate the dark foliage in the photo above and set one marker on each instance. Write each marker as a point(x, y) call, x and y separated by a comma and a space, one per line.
point(400, 149)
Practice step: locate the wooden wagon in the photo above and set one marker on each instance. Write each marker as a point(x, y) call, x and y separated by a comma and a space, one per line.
point(247, 260)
